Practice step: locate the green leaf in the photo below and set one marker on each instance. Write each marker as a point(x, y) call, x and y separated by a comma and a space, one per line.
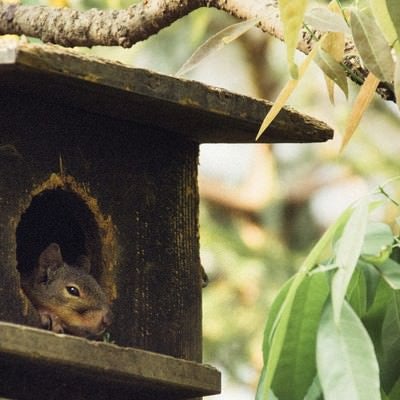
point(261, 390)
point(372, 280)
point(381, 13)
point(357, 293)
point(280, 323)
point(292, 14)
point(273, 318)
point(395, 392)
point(391, 344)
point(323, 268)
point(347, 365)
point(216, 43)
point(348, 253)
point(378, 242)
point(371, 44)
point(279, 330)
point(394, 12)
point(375, 316)
point(297, 359)
point(390, 271)
point(384, 396)
point(325, 20)
point(378, 236)
point(272, 396)
point(315, 391)
point(332, 69)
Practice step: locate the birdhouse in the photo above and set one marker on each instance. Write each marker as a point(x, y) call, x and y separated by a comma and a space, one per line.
point(102, 159)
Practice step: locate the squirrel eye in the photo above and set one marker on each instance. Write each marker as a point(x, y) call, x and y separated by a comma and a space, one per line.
point(73, 291)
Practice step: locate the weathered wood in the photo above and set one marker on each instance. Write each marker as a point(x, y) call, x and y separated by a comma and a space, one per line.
point(202, 113)
point(140, 187)
point(102, 158)
point(35, 364)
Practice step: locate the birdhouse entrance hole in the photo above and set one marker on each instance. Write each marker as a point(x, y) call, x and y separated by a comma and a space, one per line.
point(57, 216)
point(71, 219)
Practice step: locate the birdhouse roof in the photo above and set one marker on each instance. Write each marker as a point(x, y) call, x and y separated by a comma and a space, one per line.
point(202, 113)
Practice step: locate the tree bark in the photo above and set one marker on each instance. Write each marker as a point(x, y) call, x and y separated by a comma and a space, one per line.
point(124, 28)
point(93, 27)
point(70, 28)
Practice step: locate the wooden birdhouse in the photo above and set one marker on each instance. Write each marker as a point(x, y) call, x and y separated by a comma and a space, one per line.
point(102, 159)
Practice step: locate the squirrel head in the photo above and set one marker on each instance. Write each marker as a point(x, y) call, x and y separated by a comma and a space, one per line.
point(67, 297)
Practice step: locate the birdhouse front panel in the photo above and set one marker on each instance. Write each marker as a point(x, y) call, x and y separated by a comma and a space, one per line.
point(123, 194)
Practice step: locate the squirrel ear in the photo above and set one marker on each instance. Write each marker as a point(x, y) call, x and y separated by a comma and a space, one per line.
point(83, 263)
point(50, 259)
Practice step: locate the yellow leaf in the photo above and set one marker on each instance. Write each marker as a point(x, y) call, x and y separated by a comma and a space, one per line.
point(333, 43)
point(361, 103)
point(286, 92)
point(292, 15)
point(330, 86)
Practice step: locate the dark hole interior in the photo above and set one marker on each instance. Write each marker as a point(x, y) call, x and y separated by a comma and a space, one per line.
point(61, 217)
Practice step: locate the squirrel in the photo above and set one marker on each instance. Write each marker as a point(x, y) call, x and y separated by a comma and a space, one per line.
point(67, 298)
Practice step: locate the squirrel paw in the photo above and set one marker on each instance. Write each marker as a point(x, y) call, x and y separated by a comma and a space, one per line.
point(51, 322)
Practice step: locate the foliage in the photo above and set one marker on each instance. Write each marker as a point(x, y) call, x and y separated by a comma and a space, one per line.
point(216, 43)
point(374, 31)
point(373, 26)
point(292, 13)
point(333, 331)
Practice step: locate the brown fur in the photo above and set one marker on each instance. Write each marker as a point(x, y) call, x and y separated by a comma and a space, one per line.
point(68, 298)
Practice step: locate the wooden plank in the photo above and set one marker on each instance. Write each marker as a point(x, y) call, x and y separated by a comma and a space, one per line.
point(34, 361)
point(204, 114)
point(151, 267)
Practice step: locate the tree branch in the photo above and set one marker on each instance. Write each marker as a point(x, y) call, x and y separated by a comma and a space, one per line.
point(124, 28)
point(70, 28)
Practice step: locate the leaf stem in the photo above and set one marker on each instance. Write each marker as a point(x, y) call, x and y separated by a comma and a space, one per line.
point(386, 194)
point(310, 31)
point(382, 191)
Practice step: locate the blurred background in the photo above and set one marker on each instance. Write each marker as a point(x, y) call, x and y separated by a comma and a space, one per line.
point(262, 207)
